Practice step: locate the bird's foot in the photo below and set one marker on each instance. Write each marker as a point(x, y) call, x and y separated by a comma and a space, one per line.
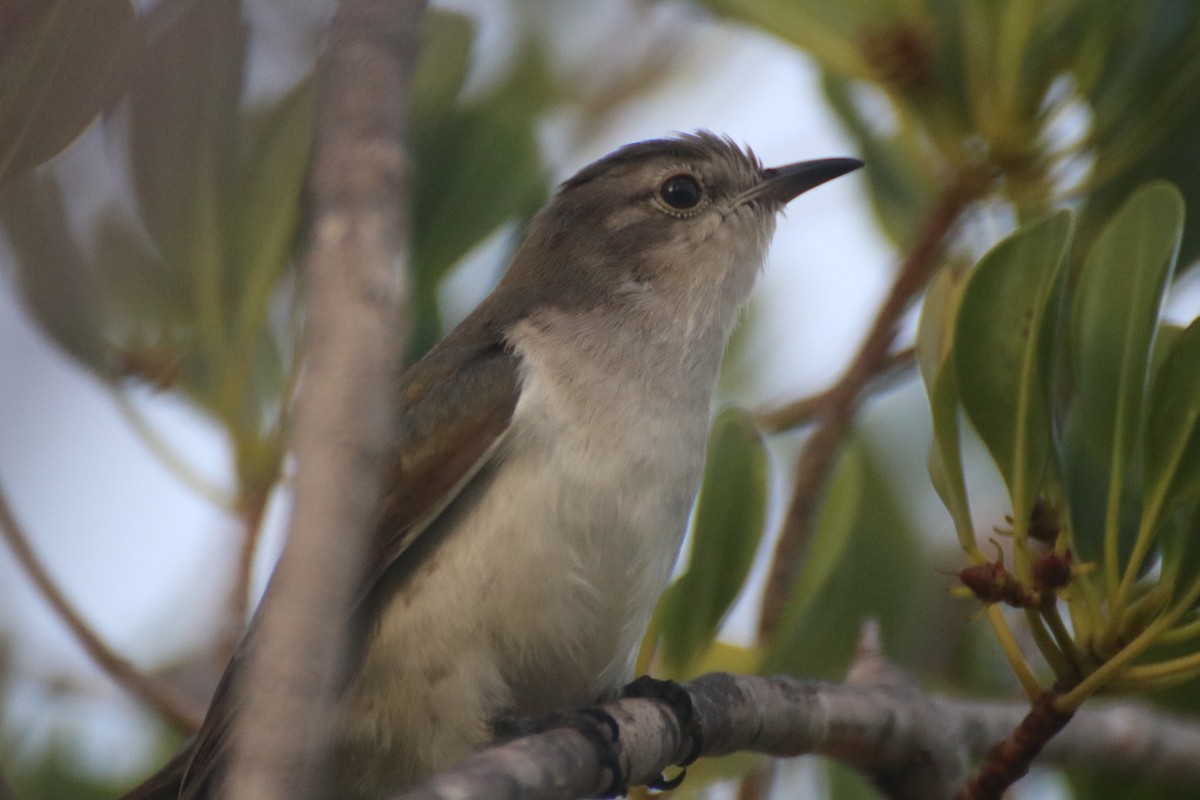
point(593, 723)
point(679, 701)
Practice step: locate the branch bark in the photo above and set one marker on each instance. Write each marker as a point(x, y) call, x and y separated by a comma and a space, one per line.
point(915, 746)
point(343, 420)
point(182, 713)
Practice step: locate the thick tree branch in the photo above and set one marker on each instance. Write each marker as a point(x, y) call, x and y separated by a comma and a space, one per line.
point(345, 403)
point(179, 711)
point(833, 419)
point(912, 744)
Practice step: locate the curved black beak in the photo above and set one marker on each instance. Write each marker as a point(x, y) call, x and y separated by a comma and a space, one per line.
point(783, 184)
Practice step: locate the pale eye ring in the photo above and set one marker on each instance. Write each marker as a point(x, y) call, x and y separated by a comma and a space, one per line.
point(681, 192)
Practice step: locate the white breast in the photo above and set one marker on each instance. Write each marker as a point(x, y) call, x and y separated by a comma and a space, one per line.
point(544, 573)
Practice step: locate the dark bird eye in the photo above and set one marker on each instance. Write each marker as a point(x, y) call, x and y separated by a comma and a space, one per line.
point(680, 191)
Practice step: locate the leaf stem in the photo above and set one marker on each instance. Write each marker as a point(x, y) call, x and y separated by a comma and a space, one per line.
point(1114, 666)
point(1046, 644)
point(1012, 651)
point(1141, 546)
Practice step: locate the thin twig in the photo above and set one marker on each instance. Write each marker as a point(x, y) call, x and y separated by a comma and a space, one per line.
point(800, 412)
point(188, 475)
point(832, 421)
point(345, 404)
point(252, 507)
point(178, 710)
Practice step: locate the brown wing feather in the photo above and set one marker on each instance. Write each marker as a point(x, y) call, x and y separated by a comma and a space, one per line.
point(463, 417)
point(454, 407)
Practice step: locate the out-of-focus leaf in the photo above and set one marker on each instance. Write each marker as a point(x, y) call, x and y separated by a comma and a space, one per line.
point(55, 279)
point(262, 216)
point(1115, 312)
point(1172, 445)
point(56, 771)
point(144, 292)
point(864, 561)
point(61, 63)
point(828, 29)
point(1114, 318)
point(1095, 784)
point(724, 657)
point(999, 347)
point(945, 456)
point(479, 167)
point(262, 219)
point(935, 337)
point(446, 39)
point(728, 525)
point(1011, 56)
point(902, 180)
point(1145, 107)
point(847, 783)
point(935, 329)
point(483, 170)
point(183, 126)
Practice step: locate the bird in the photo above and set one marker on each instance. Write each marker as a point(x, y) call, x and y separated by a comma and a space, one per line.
point(547, 454)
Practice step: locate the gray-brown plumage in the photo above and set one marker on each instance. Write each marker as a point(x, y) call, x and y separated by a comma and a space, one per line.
point(547, 455)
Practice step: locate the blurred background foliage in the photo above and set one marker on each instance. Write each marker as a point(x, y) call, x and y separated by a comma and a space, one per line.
point(184, 278)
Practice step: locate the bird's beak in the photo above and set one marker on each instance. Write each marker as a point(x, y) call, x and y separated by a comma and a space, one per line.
point(781, 185)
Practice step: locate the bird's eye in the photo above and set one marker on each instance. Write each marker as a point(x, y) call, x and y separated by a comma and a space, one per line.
point(680, 191)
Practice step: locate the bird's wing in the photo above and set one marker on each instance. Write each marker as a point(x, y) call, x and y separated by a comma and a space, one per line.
point(453, 421)
point(455, 406)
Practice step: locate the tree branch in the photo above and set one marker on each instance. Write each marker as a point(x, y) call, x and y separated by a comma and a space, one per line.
point(912, 744)
point(840, 403)
point(801, 411)
point(1010, 759)
point(345, 404)
point(251, 507)
point(180, 712)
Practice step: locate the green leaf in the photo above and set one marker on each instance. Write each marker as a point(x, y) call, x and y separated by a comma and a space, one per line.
point(183, 126)
point(999, 351)
point(935, 337)
point(1141, 82)
point(863, 561)
point(1172, 446)
point(728, 525)
point(264, 213)
point(828, 29)
point(61, 63)
point(1115, 312)
point(902, 179)
point(945, 457)
point(1114, 320)
point(446, 40)
point(56, 281)
point(478, 167)
point(935, 329)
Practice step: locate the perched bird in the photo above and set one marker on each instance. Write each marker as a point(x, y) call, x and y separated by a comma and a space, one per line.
point(548, 452)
